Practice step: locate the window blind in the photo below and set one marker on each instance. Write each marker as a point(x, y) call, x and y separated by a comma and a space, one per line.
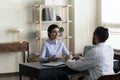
point(110, 13)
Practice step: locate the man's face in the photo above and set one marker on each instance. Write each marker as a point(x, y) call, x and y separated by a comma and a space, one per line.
point(94, 40)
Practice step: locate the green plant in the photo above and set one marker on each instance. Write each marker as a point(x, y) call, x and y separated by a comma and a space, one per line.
point(61, 29)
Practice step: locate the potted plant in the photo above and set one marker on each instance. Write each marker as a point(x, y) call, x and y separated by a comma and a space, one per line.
point(61, 29)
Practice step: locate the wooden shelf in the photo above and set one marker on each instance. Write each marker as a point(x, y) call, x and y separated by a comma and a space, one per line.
point(65, 21)
point(44, 22)
point(53, 6)
point(58, 38)
point(14, 47)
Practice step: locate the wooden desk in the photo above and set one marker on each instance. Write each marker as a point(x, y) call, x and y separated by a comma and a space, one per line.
point(14, 47)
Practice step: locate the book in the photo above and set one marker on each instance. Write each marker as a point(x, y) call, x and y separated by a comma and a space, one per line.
point(54, 64)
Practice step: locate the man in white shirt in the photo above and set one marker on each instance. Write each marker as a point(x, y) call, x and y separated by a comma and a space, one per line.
point(99, 60)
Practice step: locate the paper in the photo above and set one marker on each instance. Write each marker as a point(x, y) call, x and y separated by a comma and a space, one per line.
point(54, 64)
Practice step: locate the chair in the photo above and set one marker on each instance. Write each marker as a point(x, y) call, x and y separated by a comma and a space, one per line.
point(86, 49)
point(117, 55)
point(115, 76)
point(33, 59)
point(79, 76)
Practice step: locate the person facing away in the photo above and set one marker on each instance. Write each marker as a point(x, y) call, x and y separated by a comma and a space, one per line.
point(99, 60)
point(53, 48)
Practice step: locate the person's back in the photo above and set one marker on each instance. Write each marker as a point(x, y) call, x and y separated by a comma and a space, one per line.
point(105, 56)
point(99, 60)
point(103, 59)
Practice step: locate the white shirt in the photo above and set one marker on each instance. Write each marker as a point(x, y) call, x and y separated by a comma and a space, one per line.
point(98, 61)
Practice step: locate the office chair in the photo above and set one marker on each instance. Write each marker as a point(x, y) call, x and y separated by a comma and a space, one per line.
point(86, 49)
point(80, 76)
point(33, 59)
point(115, 76)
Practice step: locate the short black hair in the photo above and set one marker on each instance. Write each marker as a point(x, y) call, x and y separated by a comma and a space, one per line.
point(102, 33)
point(51, 27)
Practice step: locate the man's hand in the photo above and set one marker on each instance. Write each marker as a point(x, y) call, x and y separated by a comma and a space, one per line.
point(54, 58)
point(76, 57)
point(68, 57)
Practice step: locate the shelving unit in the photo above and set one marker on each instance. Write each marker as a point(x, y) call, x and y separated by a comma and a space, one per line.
point(40, 24)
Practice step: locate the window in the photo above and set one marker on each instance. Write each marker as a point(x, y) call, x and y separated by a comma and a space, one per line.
point(110, 11)
point(110, 18)
point(114, 38)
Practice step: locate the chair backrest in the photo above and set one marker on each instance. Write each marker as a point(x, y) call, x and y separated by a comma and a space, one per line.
point(86, 49)
point(115, 76)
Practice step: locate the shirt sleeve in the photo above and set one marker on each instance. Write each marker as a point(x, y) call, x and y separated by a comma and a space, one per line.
point(43, 53)
point(83, 63)
point(65, 50)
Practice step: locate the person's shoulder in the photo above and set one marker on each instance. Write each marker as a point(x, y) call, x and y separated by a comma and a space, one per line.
point(59, 41)
point(109, 46)
point(105, 45)
point(93, 50)
point(96, 49)
point(46, 42)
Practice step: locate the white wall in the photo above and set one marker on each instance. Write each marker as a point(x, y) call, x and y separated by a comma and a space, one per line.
point(85, 20)
point(18, 14)
point(14, 14)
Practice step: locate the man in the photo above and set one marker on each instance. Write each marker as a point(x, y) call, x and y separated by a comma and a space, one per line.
point(99, 60)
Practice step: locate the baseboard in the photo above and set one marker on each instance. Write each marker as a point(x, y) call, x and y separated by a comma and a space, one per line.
point(13, 73)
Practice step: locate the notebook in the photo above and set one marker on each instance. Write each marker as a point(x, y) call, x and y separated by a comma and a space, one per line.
point(54, 64)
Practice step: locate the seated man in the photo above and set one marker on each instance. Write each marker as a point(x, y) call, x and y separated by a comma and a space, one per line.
point(99, 60)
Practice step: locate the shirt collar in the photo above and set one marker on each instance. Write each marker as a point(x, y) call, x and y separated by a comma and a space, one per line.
point(102, 43)
point(53, 42)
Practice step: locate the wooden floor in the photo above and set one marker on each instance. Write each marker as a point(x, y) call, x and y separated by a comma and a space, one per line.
point(12, 77)
point(15, 76)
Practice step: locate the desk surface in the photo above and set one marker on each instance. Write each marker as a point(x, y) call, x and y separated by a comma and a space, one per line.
point(33, 64)
point(38, 65)
point(36, 70)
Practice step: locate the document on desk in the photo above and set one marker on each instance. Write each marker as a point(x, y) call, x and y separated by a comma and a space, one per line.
point(54, 64)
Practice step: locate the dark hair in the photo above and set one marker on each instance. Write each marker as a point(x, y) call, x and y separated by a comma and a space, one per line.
point(51, 27)
point(102, 33)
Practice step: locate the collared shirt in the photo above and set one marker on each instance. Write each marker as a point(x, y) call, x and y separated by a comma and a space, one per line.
point(50, 48)
point(98, 61)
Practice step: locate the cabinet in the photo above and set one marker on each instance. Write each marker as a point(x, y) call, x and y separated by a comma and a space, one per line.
point(45, 15)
